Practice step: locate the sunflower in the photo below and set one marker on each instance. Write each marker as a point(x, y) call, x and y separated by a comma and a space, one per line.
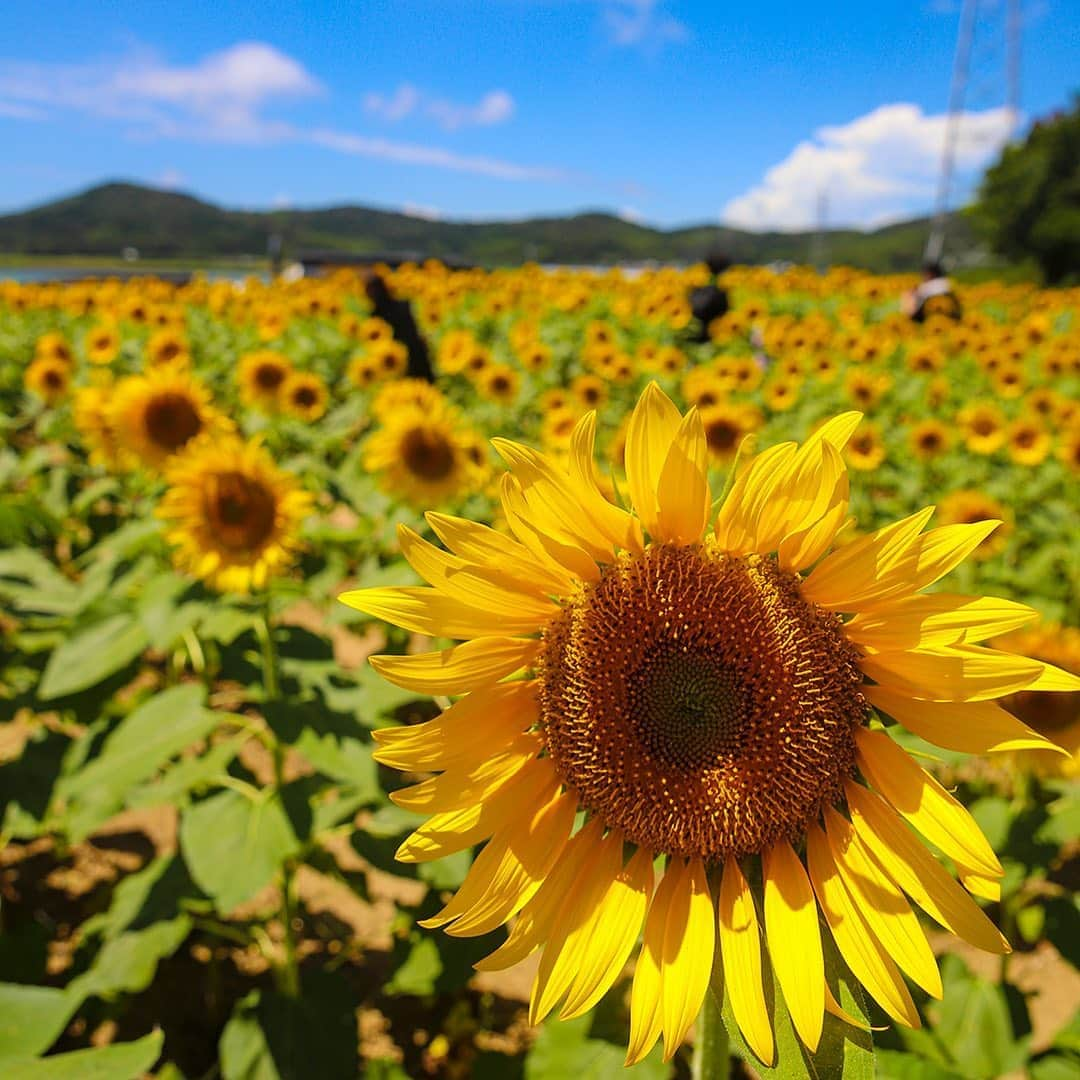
point(261, 375)
point(781, 393)
point(651, 689)
point(726, 426)
point(232, 516)
point(304, 395)
point(929, 439)
point(90, 411)
point(866, 448)
point(102, 343)
point(866, 388)
point(500, 383)
point(1069, 451)
point(969, 507)
point(404, 394)
point(53, 346)
point(156, 414)
point(167, 347)
point(589, 390)
point(984, 427)
point(424, 454)
point(1057, 716)
point(1028, 441)
point(49, 378)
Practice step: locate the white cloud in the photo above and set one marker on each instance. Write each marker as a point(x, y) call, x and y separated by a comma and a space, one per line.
point(422, 211)
point(879, 167)
point(224, 97)
point(223, 93)
point(170, 179)
point(641, 23)
point(495, 107)
point(631, 214)
point(416, 154)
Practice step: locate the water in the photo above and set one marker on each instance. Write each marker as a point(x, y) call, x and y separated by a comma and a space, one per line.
point(25, 275)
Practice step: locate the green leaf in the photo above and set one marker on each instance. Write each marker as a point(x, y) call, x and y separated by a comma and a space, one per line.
point(563, 1049)
point(126, 964)
point(896, 1065)
point(143, 741)
point(418, 971)
point(185, 776)
point(273, 1037)
point(31, 1019)
point(233, 845)
point(92, 655)
point(144, 898)
point(122, 1061)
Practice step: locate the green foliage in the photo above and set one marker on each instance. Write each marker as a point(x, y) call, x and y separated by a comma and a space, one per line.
point(1029, 202)
point(108, 218)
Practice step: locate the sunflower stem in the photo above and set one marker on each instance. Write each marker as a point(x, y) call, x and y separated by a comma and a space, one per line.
point(712, 1058)
point(288, 974)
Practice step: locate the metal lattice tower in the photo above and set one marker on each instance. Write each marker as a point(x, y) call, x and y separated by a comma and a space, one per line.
point(976, 13)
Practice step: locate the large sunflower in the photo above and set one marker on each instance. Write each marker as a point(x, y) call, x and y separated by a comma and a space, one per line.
point(654, 687)
point(233, 516)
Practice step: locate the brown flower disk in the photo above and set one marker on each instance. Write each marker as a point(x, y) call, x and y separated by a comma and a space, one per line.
point(698, 702)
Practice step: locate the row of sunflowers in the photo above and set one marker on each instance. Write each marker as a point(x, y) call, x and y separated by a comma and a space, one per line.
point(660, 730)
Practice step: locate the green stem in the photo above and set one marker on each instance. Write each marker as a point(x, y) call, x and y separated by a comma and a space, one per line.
point(289, 972)
point(712, 1058)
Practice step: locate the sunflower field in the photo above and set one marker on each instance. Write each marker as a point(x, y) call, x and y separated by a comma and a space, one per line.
point(737, 734)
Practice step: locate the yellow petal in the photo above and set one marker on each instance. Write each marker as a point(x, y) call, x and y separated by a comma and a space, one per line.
point(548, 488)
point(853, 575)
point(610, 935)
point(646, 1016)
point(508, 871)
point(923, 801)
point(838, 430)
point(903, 857)
point(471, 583)
point(686, 964)
point(822, 518)
point(980, 885)
point(563, 950)
point(882, 905)
point(458, 788)
point(486, 546)
point(953, 673)
point(861, 951)
point(938, 619)
point(791, 927)
point(683, 492)
point(620, 527)
point(466, 733)
point(533, 926)
point(736, 523)
point(427, 611)
point(976, 727)
point(472, 665)
point(649, 435)
point(740, 951)
point(540, 533)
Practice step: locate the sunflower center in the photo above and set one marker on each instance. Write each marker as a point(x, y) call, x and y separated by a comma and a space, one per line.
point(172, 419)
point(698, 702)
point(269, 376)
point(427, 454)
point(242, 512)
point(721, 435)
point(305, 396)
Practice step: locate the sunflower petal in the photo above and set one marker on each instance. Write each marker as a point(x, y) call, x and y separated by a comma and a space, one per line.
point(683, 492)
point(938, 619)
point(882, 905)
point(791, 927)
point(470, 666)
point(903, 857)
point(427, 611)
point(646, 1016)
point(740, 952)
point(975, 727)
point(861, 951)
point(923, 801)
point(653, 426)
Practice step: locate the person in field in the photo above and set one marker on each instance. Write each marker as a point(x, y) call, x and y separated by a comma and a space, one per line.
point(398, 313)
point(709, 301)
point(934, 295)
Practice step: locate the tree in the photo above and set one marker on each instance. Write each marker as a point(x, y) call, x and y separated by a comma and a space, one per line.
point(1029, 202)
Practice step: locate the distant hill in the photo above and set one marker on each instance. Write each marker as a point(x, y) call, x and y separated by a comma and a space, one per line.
point(165, 224)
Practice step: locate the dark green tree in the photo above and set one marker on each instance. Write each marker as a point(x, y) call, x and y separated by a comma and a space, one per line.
point(1029, 202)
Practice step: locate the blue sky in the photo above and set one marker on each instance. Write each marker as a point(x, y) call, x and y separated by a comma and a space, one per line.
point(670, 111)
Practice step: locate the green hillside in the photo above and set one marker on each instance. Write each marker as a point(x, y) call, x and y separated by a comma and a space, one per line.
point(161, 224)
